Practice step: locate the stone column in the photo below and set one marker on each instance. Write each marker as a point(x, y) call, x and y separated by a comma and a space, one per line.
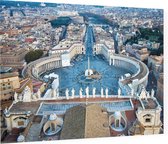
point(113, 61)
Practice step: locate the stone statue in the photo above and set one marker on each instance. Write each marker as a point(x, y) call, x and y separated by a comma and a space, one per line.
point(38, 94)
point(16, 97)
point(106, 91)
point(87, 92)
point(27, 94)
point(94, 92)
point(143, 94)
point(102, 95)
point(73, 92)
point(34, 97)
point(67, 93)
point(119, 92)
point(80, 92)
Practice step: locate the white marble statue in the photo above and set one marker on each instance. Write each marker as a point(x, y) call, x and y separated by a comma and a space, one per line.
point(102, 94)
point(73, 92)
point(34, 96)
point(106, 91)
point(27, 94)
point(143, 94)
point(80, 93)
point(87, 92)
point(38, 94)
point(16, 97)
point(119, 92)
point(67, 93)
point(94, 92)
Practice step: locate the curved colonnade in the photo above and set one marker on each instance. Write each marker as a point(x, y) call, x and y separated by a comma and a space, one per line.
point(40, 66)
point(138, 68)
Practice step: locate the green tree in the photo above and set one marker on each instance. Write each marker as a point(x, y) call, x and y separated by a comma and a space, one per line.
point(33, 55)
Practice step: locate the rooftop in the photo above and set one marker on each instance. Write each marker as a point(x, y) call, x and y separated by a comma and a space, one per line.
point(25, 106)
point(8, 75)
point(82, 122)
point(149, 104)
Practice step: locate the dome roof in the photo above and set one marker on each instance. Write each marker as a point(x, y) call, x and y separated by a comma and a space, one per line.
point(53, 117)
point(117, 115)
point(21, 138)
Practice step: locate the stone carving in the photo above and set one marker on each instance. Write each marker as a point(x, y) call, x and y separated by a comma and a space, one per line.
point(27, 94)
point(73, 92)
point(102, 94)
point(106, 91)
point(87, 92)
point(67, 93)
point(16, 97)
point(94, 92)
point(80, 92)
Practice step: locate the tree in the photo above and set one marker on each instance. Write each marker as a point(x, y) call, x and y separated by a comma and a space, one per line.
point(33, 55)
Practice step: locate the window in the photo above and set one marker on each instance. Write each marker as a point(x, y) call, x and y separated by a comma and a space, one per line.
point(147, 120)
point(20, 123)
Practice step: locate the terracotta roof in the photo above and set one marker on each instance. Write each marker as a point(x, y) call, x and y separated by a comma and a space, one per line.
point(25, 106)
point(85, 121)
